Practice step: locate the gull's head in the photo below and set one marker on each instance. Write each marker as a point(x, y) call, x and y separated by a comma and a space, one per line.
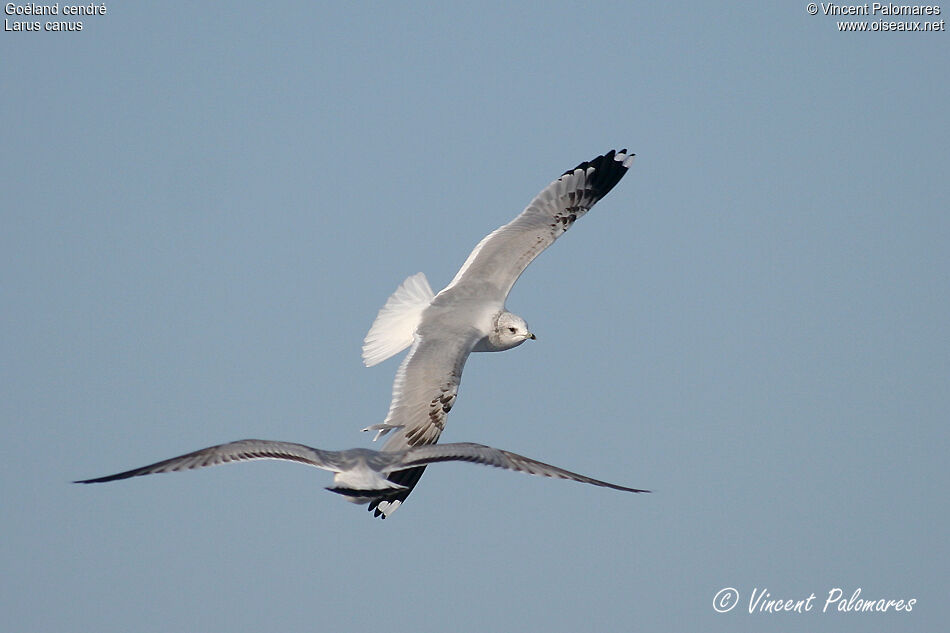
point(509, 330)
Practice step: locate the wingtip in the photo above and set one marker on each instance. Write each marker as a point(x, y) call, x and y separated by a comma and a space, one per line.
point(625, 159)
point(361, 495)
point(388, 507)
point(94, 480)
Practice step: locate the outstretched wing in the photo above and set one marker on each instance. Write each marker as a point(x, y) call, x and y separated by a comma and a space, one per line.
point(242, 450)
point(500, 258)
point(424, 392)
point(427, 381)
point(481, 454)
point(425, 388)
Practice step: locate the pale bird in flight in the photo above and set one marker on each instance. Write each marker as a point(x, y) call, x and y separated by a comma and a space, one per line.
point(469, 314)
point(360, 474)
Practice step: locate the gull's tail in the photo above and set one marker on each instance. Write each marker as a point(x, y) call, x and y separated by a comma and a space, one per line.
point(396, 323)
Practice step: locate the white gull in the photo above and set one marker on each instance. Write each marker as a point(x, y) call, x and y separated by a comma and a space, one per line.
point(469, 314)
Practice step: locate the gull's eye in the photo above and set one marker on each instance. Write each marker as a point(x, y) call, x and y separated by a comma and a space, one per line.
point(512, 330)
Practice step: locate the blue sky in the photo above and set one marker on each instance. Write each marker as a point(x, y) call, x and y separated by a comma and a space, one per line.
point(204, 209)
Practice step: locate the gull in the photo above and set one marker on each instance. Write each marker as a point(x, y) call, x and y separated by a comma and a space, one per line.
point(360, 474)
point(469, 314)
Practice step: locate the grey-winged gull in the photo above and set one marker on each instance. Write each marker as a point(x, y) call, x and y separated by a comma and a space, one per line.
point(469, 314)
point(360, 474)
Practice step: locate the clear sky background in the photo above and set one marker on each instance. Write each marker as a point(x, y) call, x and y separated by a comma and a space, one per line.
point(203, 209)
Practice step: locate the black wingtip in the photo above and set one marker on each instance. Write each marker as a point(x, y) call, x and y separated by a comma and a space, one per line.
point(408, 478)
point(99, 480)
point(358, 492)
point(607, 172)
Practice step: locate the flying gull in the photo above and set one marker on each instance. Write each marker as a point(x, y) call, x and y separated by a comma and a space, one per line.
point(360, 474)
point(469, 314)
